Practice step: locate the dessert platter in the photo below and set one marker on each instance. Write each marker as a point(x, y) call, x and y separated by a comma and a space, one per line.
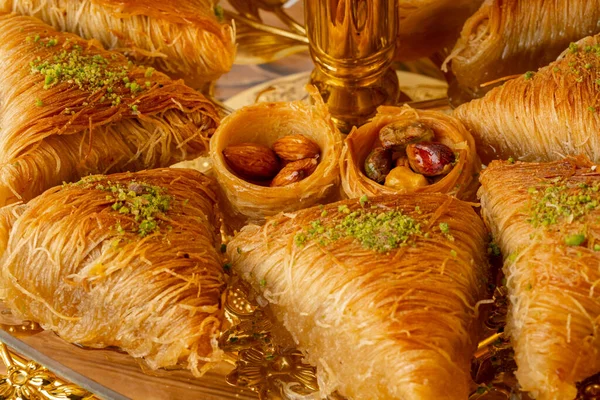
point(417, 217)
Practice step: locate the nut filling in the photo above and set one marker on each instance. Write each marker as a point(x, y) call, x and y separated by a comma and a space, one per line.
point(408, 157)
point(291, 159)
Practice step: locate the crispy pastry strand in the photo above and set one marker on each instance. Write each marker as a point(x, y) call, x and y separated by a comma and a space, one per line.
point(542, 116)
point(545, 219)
point(79, 266)
point(183, 39)
point(378, 325)
point(70, 108)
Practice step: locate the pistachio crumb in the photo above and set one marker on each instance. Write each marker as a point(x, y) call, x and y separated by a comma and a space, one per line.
point(363, 200)
point(573, 48)
point(575, 240)
point(379, 231)
point(556, 200)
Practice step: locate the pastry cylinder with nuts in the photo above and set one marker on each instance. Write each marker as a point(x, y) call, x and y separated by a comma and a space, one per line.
point(403, 150)
point(276, 157)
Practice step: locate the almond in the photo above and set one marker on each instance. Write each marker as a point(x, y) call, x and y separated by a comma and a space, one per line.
point(294, 172)
point(296, 147)
point(252, 161)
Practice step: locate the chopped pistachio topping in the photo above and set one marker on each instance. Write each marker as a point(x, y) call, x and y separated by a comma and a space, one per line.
point(444, 227)
point(559, 200)
point(88, 72)
point(575, 240)
point(493, 249)
point(529, 75)
point(380, 231)
point(144, 202)
point(39, 103)
point(219, 12)
point(574, 48)
point(364, 200)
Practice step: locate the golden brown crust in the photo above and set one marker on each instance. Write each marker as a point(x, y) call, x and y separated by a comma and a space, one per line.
point(551, 268)
point(58, 130)
point(429, 26)
point(460, 182)
point(177, 12)
point(542, 116)
point(184, 39)
point(79, 266)
point(378, 325)
point(507, 37)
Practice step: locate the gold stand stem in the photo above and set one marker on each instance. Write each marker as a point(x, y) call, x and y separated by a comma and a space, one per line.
point(352, 43)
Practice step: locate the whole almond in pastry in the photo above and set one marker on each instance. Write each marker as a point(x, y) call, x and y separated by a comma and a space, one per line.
point(296, 147)
point(252, 161)
point(294, 172)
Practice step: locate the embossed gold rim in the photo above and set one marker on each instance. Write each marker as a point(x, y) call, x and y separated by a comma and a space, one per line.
point(26, 379)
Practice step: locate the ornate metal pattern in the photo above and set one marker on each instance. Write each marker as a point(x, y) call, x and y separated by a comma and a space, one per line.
point(261, 43)
point(266, 367)
point(23, 329)
point(28, 380)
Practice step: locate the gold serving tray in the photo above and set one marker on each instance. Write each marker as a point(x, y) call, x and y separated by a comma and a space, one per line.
point(109, 374)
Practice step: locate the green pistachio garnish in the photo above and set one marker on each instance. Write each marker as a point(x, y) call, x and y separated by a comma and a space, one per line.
point(379, 231)
point(561, 201)
point(575, 240)
point(88, 72)
point(140, 201)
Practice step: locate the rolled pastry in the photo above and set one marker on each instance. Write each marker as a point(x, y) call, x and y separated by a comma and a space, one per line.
point(545, 219)
point(461, 181)
point(429, 26)
point(183, 39)
point(126, 260)
point(263, 124)
point(507, 37)
point(542, 116)
point(379, 293)
point(70, 108)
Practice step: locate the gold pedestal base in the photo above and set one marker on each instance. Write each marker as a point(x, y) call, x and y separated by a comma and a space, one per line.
point(352, 104)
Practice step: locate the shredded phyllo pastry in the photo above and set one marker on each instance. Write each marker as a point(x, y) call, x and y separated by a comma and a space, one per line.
point(507, 37)
point(545, 219)
point(428, 26)
point(379, 292)
point(126, 260)
point(184, 39)
point(544, 115)
point(70, 108)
